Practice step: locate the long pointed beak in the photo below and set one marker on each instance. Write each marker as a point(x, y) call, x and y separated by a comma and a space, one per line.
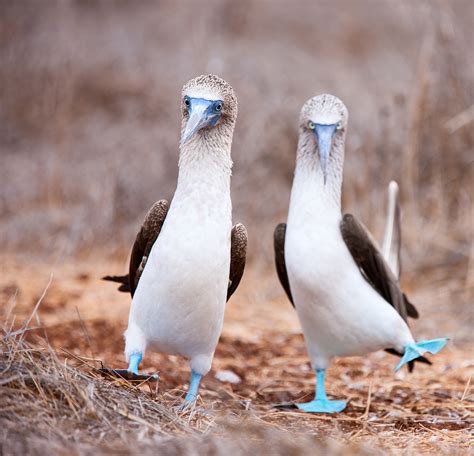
point(324, 135)
point(198, 118)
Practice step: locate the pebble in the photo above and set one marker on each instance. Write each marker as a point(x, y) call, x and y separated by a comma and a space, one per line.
point(228, 376)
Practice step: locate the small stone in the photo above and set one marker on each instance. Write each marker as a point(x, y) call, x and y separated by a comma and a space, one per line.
point(228, 376)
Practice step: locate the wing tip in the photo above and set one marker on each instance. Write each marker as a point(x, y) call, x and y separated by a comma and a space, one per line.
point(348, 217)
point(240, 227)
point(279, 228)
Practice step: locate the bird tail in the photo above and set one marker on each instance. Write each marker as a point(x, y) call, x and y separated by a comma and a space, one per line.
point(124, 280)
point(393, 237)
point(417, 349)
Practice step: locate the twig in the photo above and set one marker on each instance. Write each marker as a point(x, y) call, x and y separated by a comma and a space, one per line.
point(35, 309)
point(369, 399)
point(466, 389)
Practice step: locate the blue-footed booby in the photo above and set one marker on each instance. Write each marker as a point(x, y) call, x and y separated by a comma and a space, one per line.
point(347, 297)
point(187, 259)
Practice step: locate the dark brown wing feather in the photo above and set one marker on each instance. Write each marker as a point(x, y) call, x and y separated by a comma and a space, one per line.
point(144, 241)
point(375, 269)
point(279, 247)
point(238, 254)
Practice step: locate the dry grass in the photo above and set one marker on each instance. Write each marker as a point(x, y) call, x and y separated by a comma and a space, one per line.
point(48, 403)
point(52, 398)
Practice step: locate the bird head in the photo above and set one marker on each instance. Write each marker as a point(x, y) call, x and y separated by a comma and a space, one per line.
point(323, 122)
point(207, 102)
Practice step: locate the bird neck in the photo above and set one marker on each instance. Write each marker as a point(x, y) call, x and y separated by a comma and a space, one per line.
point(309, 187)
point(205, 162)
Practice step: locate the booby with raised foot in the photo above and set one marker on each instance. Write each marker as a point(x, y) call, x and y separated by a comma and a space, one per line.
point(346, 294)
point(187, 259)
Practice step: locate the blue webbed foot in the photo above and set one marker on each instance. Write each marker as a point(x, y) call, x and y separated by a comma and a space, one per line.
point(323, 406)
point(184, 407)
point(131, 374)
point(415, 350)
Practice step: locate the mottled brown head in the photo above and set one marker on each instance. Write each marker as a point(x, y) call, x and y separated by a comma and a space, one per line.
point(323, 123)
point(207, 102)
point(324, 110)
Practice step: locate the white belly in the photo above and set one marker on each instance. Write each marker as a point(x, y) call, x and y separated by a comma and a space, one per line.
point(340, 313)
point(179, 303)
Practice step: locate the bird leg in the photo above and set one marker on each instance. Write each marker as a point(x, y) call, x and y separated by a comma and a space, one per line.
point(131, 373)
point(321, 404)
point(135, 360)
point(192, 394)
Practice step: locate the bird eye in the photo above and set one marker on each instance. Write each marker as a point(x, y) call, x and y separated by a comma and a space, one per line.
point(339, 125)
point(219, 107)
point(311, 125)
point(187, 102)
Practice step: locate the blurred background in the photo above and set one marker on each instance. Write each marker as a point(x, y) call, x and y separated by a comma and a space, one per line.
point(90, 115)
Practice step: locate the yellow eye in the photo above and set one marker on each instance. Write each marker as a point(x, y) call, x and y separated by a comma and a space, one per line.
point(311, 125)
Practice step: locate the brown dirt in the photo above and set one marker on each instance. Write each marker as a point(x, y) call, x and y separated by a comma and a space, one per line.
point(429, 410)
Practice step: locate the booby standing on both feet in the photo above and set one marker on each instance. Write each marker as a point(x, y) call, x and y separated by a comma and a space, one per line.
point(188, 260)
point(348, 300)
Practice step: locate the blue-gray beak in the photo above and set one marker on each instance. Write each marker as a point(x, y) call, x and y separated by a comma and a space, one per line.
point(202, 113)
point(324, 135)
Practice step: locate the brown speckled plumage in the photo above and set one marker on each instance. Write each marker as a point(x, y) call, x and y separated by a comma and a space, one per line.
point(238, 254)
point(146, 237)
point(325, 104)
point(214, 141)
point(220, 88)
point(279, 249)
point(323, 109)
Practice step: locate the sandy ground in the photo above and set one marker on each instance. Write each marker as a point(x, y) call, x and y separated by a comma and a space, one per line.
point(429, 410)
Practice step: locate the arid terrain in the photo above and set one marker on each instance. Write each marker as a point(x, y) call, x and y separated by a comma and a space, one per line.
point(83, 318)
point(89, 134)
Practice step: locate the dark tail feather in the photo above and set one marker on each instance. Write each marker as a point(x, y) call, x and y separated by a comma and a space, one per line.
point(125, 288)
point(411, 309)
point(411, 364)
point(124, 280)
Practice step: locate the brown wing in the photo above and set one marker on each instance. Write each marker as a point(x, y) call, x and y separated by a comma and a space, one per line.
point(279, 247)
point(376, 271)
point(238, 254)
point(373, 266)
point(144, 241)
